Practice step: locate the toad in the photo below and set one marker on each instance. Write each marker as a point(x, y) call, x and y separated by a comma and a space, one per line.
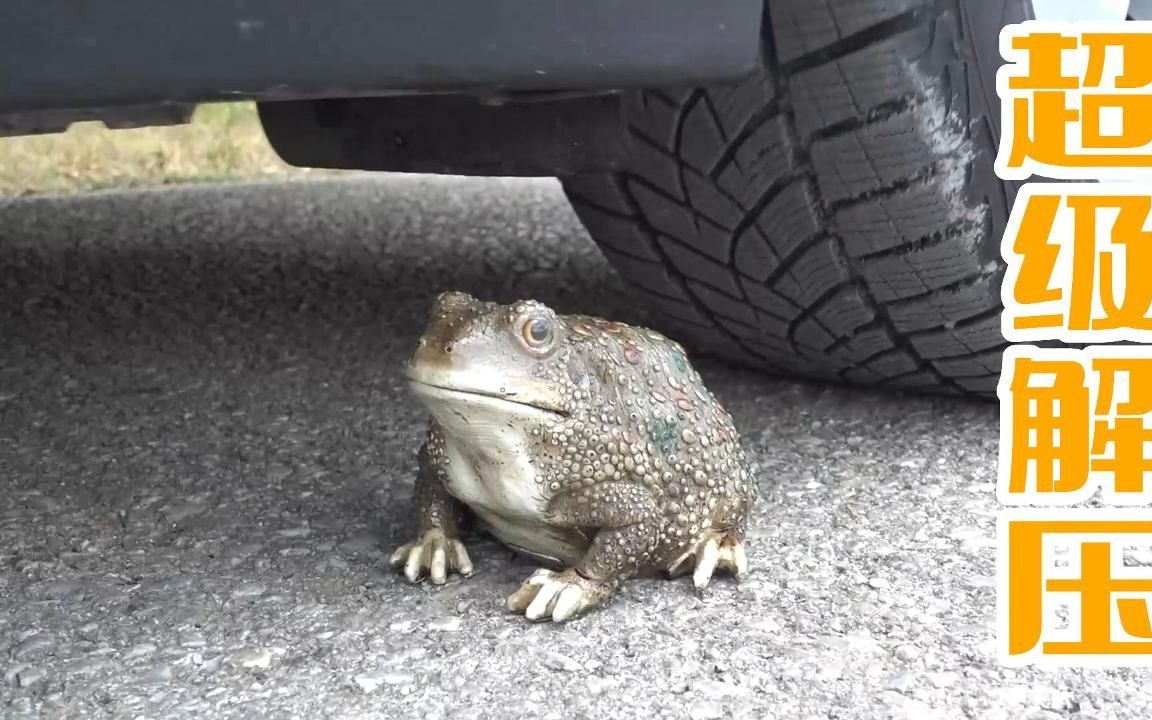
point(590, 446)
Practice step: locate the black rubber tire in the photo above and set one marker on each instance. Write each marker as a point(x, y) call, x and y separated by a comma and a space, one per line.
point(836, 215)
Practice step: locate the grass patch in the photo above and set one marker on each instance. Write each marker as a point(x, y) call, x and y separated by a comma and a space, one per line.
point(223, 142)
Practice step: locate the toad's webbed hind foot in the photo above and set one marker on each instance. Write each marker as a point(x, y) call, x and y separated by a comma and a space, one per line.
point(713, 549)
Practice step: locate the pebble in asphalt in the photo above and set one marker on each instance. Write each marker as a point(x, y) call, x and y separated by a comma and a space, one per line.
point(207, 451)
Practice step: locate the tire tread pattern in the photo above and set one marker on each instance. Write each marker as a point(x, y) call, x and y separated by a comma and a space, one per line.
point(834, 215)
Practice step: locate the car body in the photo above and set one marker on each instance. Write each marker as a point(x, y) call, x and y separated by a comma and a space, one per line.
point(805, 188)
point(113, 59)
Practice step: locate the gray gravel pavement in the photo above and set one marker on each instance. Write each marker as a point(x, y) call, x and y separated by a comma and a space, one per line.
point(207, 451)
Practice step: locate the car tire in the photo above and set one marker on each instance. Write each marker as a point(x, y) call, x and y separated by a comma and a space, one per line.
point(834, 215)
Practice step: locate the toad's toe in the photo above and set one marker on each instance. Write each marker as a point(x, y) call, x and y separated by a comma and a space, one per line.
point(434, 554)
point(713, 550)
point(548, 595)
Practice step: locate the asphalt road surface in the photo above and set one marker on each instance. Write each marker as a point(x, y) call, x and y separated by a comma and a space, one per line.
point(207, 452)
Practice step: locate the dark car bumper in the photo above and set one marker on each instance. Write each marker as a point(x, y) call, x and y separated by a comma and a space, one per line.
point(57, 55)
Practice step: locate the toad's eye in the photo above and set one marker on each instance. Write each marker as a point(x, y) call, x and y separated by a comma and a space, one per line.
point(537, 332)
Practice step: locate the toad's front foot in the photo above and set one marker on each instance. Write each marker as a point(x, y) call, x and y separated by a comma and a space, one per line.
point(434, 553)
point(712, 550)
point(554, 596)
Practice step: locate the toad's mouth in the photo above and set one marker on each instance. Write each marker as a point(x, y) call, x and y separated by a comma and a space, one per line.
point(440, 390)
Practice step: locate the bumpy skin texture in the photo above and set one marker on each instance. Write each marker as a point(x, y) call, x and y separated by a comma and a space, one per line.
point(600, 449)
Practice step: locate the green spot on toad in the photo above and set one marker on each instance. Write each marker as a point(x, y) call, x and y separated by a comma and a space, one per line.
point(662, 433)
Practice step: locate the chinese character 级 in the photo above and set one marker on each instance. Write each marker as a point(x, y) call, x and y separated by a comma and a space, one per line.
point(1079, 258)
